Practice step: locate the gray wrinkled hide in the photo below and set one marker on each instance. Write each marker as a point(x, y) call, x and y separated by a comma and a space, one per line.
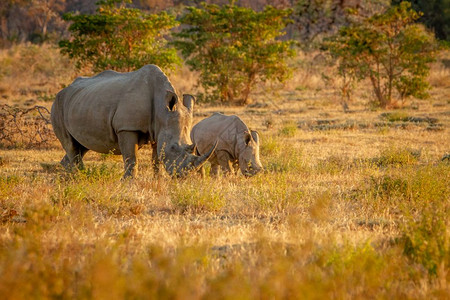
point(119, 112)
point(236, 144)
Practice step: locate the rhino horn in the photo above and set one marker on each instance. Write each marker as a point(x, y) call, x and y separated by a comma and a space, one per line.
point(195, 151)
point(201, 160)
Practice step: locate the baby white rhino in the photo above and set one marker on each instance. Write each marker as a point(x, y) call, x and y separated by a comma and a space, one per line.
point(236, 144)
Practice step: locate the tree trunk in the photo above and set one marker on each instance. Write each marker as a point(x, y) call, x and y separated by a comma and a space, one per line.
point(3, 28)
point(377, 89)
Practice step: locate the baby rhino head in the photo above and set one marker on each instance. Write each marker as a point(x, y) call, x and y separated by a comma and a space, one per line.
point(249, 162)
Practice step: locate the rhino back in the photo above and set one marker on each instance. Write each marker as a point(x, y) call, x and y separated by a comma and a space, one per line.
point(95, 109)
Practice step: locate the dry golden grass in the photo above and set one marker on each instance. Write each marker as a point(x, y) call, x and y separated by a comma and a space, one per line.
point(351, 205)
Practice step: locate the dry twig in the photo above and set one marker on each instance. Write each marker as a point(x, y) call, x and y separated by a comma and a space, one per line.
point(25, 127)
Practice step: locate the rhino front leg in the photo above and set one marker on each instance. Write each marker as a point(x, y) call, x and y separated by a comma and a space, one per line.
point(128, 143)
point(224, 160)
point(214, 169)
point(155, 160)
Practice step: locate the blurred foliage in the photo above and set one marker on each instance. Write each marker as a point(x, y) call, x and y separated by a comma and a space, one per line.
point(234, 48)
point(119, 38)
point(420, 195)
point(389, 49)
point(436, 15)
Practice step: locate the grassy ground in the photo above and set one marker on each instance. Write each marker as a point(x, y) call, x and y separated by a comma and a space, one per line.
point(351, 205)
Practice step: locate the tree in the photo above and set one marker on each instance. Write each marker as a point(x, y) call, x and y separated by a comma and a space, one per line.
point(6, 7)
point(436, 15)
point(389, 49)
point(317, 18)
point(119, 38)
point(43, 12)
point(234, 48)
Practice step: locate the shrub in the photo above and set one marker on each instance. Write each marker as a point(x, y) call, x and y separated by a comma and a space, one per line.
point(390, 50)
point(436, 16)
point(119, 38)
point(234, 48)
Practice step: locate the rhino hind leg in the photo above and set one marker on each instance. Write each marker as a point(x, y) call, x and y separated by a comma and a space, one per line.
point(74, 154)
point(129, 143)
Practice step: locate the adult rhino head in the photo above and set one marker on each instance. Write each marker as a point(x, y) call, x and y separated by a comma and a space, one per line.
point(174, 146)
point(119, 112)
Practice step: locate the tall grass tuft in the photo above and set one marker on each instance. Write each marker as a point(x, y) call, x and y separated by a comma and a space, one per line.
point(425, 233)
point(289, 129)
point(272, 192)
point(396, 157)
point(189, 195)
point(420, 196)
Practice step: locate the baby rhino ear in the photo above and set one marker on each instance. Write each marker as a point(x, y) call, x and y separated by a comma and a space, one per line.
point(255, 136)
point(247, 137)
point(188, 101)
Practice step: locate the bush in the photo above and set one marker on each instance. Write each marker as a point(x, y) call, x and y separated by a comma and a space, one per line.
point(119, 38)
point(234, 48)
point(390, 50)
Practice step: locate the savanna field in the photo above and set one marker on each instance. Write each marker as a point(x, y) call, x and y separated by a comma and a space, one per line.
point(351, 205)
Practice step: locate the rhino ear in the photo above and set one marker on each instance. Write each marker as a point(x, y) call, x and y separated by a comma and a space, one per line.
point(188, 101)
point(247, 137)
point(171, 100)
point(255, 136)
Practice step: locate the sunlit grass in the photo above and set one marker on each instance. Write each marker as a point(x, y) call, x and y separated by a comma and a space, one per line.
point(346, 213)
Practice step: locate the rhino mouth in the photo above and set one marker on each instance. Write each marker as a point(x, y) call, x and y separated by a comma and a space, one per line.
point(251, 172)
point(185, 163)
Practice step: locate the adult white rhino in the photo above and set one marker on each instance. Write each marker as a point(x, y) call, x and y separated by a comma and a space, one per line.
point(119, 112)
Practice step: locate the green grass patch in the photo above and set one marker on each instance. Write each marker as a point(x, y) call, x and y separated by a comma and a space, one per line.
point(396, 116)
point(190, 195)
point(421, 196)
point(397, 157)
point(288, 159)
point(270, 145)
point(273, 192)
point(289, 129)
point(333, 165)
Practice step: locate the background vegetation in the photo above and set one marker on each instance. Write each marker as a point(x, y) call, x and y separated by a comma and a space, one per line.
point(119, 38)
point(235, 48)
point(353, 202)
